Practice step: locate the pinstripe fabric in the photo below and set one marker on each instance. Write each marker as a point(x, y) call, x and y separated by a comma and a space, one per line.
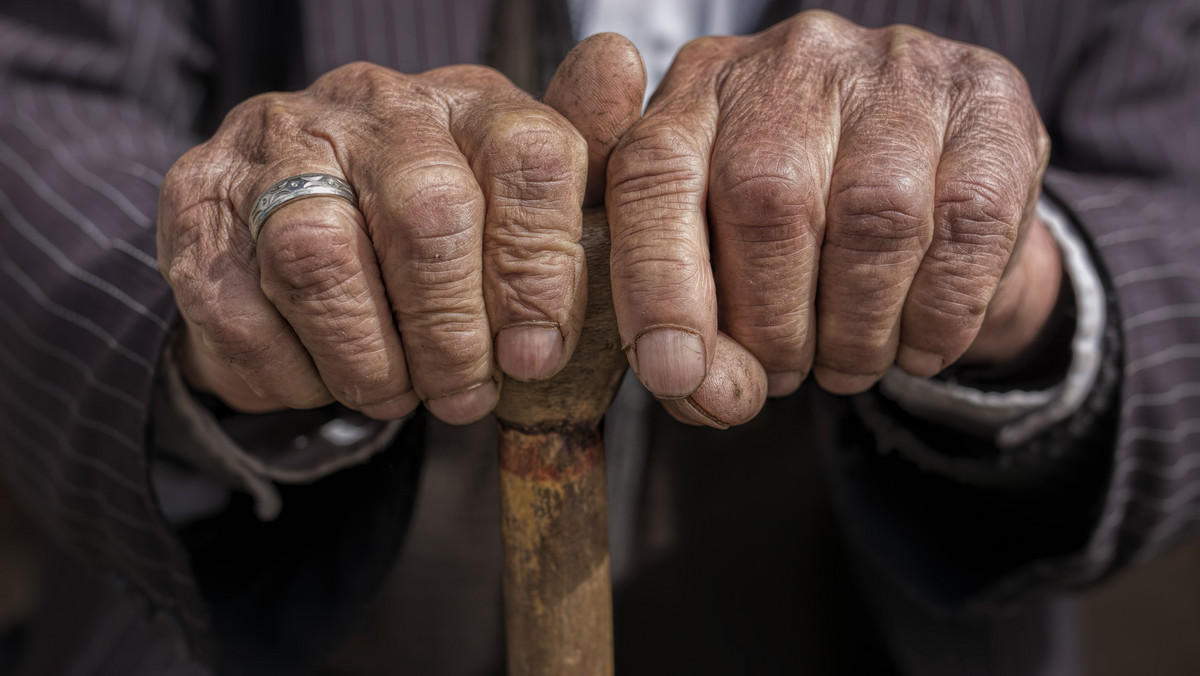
point(409, 36)
point(94, 110)
point(97, 99)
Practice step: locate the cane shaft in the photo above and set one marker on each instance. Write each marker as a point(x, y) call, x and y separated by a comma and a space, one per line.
point(558, 603)
point(557, 590)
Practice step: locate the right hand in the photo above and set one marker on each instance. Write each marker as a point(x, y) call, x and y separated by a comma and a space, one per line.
point(462, 262)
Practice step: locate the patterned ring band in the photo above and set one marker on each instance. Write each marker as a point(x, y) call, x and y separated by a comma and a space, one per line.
point(295, 188)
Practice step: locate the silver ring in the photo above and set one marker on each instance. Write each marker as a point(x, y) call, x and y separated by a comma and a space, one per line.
point(295, 188)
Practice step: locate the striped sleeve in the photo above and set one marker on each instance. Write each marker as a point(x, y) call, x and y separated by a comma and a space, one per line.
point(95, 101)
point(1130, 126)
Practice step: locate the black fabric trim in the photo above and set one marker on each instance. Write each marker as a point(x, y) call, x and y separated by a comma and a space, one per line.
point(1069, 452)
point(1041, 366)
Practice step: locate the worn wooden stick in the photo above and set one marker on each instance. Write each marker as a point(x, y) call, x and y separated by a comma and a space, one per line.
point(557, 589)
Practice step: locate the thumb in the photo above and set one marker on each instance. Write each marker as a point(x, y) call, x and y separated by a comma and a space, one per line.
point(599, 87)
point(733, 392)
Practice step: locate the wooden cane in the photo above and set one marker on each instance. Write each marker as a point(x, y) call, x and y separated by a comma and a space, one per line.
point(557, 590)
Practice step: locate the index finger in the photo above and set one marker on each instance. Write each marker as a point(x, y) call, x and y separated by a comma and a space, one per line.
point(663, 287)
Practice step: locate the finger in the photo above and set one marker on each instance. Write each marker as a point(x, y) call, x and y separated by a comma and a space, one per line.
point(770, 178)
point(316, 264)
point(205, 255)
point(1023, 303)
point(424, 213)
point(319, 271)
point(663, 289)
point(532, 166)
point(879, 224)
point(599, 88)
point(987, 186)
point(732, 393)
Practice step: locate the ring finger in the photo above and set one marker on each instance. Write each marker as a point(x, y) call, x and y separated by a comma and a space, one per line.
point(319, 270)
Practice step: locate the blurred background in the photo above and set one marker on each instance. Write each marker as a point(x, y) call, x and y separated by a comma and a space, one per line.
point(1146, 621)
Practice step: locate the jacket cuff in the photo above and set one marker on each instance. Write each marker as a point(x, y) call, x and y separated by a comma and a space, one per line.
point(1000, 431)
point(250, 452)
point(1014, 416)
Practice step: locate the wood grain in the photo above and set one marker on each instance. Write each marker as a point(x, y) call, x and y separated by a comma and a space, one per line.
point(557, 587)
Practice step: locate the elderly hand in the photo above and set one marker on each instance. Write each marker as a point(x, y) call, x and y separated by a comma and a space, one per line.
point(835, 200)
point(461, 262)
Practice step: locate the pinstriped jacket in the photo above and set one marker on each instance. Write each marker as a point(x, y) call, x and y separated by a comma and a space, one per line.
point(98, 99)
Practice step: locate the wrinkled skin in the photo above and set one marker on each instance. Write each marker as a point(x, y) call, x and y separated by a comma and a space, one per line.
point(465, 242)
point(818, 198)
point(836, 200)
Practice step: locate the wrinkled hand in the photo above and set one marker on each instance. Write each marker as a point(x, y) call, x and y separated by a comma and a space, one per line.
point(835, 200)
point(461, 264)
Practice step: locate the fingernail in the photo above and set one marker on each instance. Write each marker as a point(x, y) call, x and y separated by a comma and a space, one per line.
point(919, 362)
point(466, 406)
point(529, 351)
point(783, 384)
point(688, 409)
point(670, 362)
point(844, 383)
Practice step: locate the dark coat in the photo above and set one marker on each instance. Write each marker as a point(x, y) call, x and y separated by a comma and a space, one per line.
point(97, 100)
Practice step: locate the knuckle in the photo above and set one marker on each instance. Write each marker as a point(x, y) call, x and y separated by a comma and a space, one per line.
point(355, 70)
point(377, 93)
point(865, 352)
point(309, 261)
point(893, 216)
point(178, 267)
point(236, 340)
point(901, 35)
point(959, 284)
point(704, 48)
point(915, 60)
point(466, 78)
point(433, 198)
point(655, 160)
point(369, 78)
point(657, 272)
point(195, 281)
point(856, 318)
point(535, 276)
point(821, 20)
point(256, 113)
point(1041, 142)
point(985, 73)
point(174, 244)
point(535, 153)
point(853, 360)
point(450, 340)
point(768, 257)
point(767, 187)
point(537, 299)
point(301, 391)
point(953, 299)
point(909, 45)
point(181, 177)
point(442, 269)
point(815, 31)
point(859, 313)
point(364, 385)
point(981, 213)
point(280, 121)
point(189, 182)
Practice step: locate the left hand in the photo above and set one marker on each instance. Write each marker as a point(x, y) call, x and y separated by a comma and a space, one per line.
point(835, 200)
